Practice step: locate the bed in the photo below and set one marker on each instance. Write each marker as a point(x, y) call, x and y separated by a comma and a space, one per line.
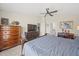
point(50, 45)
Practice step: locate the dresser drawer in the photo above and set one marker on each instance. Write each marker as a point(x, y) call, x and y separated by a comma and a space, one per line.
point(8, 32)
point(8, 44)
point(4, 32)
point(13, 28)
point(14, 37)
point(12, 42)
point(6, 38)
point(4, 28)
point(14, 32)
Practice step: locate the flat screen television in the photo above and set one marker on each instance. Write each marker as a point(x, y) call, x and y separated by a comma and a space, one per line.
point(32, 27)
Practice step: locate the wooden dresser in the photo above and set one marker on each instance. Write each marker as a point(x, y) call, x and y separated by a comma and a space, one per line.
point(32, 32)
point(10, 36)
point(31, 35)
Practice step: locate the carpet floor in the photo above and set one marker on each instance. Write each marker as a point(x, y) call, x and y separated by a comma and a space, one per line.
point(15, 51)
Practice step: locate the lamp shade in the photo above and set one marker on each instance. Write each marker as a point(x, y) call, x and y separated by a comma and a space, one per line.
point(77, 27)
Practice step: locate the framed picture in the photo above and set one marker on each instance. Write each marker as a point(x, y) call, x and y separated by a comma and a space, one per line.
point(4, 21)
point(66, 24)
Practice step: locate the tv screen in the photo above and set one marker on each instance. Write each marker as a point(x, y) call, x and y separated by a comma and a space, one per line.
point(32, 27)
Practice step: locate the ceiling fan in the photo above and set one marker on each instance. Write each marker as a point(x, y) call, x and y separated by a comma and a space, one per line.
point(49, 12)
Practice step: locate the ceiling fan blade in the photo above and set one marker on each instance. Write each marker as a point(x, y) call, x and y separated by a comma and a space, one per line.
point(54, 11)
point(50, 14)
point(47, 10)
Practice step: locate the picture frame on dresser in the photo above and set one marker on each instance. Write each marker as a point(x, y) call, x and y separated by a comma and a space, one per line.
point(4, 21)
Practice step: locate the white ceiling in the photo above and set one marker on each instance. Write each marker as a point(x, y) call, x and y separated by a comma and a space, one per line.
point(37, 8)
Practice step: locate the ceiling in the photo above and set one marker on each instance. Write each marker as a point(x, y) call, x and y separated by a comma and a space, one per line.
point(37, 8)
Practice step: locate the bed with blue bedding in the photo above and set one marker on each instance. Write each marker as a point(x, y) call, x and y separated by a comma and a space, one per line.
point(50, 45)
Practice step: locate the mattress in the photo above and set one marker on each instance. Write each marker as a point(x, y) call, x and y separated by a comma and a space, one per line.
point(51, 46)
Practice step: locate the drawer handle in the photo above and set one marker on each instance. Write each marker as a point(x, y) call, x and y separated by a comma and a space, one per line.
point(5, 32)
